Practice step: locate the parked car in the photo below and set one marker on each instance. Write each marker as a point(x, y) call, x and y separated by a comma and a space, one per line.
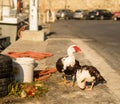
point(64, 14)
point(100, 14)
point(116, 16)
point(80, 14)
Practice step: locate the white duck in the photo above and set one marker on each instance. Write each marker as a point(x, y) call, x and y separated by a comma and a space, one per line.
point(68, 65)
point(88, 74)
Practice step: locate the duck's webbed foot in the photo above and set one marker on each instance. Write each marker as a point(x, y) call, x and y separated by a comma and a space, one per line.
point(90, 87)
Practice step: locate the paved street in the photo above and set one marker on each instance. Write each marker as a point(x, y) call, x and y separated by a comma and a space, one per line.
point(103, 36)
point(57, 43)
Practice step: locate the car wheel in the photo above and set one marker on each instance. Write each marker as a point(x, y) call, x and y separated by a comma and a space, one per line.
point(71, 18)
point(66, 18)
point(84, 18)
point(58, 18)
point(101, 17)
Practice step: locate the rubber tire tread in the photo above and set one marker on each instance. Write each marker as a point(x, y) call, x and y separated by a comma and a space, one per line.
point(4, 82)
point(6, 66)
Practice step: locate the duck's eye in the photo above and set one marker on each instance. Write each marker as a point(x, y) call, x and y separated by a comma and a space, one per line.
point(83, 80)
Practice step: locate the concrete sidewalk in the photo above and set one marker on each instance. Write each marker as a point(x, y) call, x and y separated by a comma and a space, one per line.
point(108, 93)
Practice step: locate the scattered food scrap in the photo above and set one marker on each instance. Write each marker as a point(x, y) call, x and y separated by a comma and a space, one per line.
point(27, 89)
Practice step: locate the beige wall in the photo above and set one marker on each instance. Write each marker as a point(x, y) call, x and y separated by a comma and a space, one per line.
point(44, 5)
point(113, 5)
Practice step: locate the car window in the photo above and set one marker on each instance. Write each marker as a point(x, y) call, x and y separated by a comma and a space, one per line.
point(105, 11)
point(77, 11)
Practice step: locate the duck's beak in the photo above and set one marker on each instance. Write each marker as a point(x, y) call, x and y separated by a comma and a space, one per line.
point(80, 52)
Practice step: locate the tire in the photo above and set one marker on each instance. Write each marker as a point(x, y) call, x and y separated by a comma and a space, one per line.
point(101, 17)
point(58, 18)
point(84, 18)
point(2, 94)
point(4, 82)
point(66, 18)
point(6, 67)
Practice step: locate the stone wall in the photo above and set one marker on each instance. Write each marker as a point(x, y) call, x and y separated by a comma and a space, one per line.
point(112, 5)
point(54, 5)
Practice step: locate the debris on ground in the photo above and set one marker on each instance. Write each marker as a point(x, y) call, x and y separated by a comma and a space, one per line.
point(24, 90)
point(43, 74)
point(35, 55)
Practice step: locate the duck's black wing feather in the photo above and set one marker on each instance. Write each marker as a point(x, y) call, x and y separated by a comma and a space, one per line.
point(59, 65)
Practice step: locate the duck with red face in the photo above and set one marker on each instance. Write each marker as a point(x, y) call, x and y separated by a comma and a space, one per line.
point(68, 65)
point(88, 74)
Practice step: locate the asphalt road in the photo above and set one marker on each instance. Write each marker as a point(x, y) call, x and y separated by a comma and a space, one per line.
point(102, 36)
point(108, 93)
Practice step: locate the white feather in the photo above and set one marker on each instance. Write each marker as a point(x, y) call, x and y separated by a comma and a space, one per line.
point(69, 61)
point(82, 77)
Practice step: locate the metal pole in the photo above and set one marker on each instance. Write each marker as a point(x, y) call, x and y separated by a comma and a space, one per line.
point(15, 4)
point(1, 10)
point(33, 16)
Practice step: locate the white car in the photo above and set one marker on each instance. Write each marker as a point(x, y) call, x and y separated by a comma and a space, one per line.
point(80, 14)
point(64, 14)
